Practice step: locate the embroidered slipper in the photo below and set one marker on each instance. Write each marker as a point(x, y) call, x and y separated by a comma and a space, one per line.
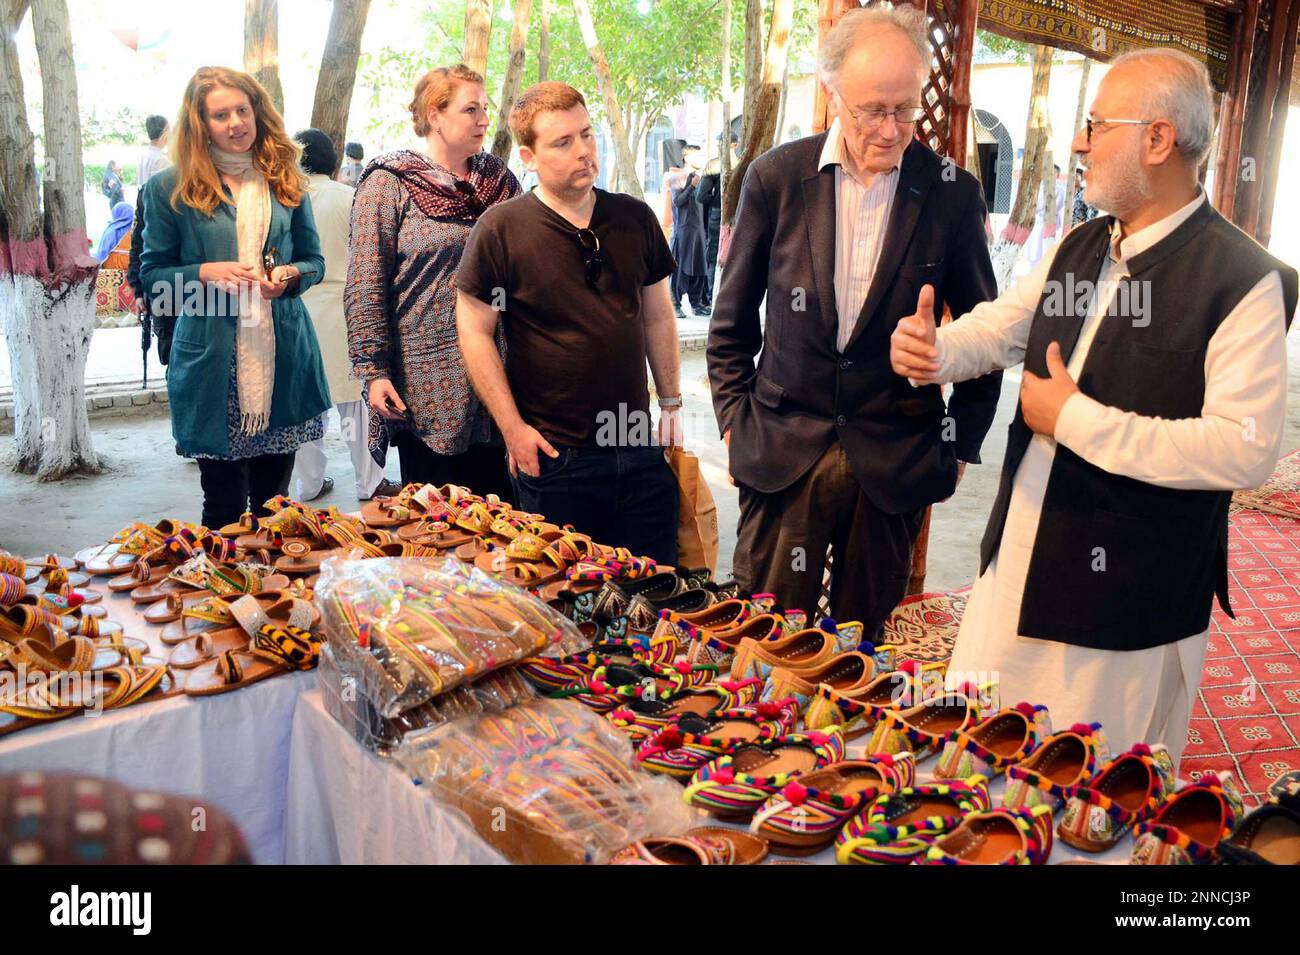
point(1127, 790)
point(1062, 760)
point(271, 651)
point(993, 745)
point(69, 655)
point(692, 740)
point(736, 784)
point(922, 729)
point(24, 620)
point(899, 827)
point(75, 603)
point(642, 718)
point(807, 814)
point(995, 837)
point(1268, 836)
point(844, 673)
point(719, 646)
point(130, 544)
point(1188, 828)
point(704, 845)
point(803, 650)
point(857, 711)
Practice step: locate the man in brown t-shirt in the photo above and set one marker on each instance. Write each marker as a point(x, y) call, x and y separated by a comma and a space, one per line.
point(579, 279)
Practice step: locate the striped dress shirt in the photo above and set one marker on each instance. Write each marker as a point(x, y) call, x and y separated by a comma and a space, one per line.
point(861, 217)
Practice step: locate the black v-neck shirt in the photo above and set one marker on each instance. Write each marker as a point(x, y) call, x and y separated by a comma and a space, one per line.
point(572, 352)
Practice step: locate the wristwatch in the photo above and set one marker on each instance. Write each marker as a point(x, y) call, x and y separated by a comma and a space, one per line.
point(675, 401)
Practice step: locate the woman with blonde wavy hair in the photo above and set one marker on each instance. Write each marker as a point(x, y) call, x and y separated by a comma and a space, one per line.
point(229, 246)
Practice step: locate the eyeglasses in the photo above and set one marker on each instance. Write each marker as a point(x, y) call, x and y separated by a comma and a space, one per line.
point(872, 116)
point(463, 186)
point(1094, 123)
point(591, 256)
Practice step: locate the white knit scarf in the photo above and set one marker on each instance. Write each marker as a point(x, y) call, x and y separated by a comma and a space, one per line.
point(255, 336)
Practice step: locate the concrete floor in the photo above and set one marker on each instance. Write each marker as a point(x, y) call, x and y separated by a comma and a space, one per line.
point(145, 480)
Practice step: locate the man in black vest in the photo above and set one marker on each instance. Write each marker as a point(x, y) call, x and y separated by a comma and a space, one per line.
point(1153, 341)
point(838, 233)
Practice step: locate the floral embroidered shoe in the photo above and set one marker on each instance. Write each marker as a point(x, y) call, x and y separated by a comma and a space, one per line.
point(856, 711)
point(922, 729)
point(991, 746)
point(901, 826)
point(723, 615)
point(642, 619)
point(718, 647)
point(996, 837)
point(801, 651)
point(1062, 760)
point(736, 784)
point(805, 816)
point(1187, 830)
point(705, 845)
point(845, 673)
point(640, 718)
point(692, 740)
point(1126, 791)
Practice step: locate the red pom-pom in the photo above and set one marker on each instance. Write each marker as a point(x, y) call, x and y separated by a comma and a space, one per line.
point(794, 793)
point(912, 667)
point(1083, 729)
point(769, 710)
point(626, 716)
point(598, 686)
point(1140, 749)
point(670, 738)
point(75, 599)
point(969, 690)
point(818, 739)
point(1026, 710)
point(681, 666)
point(726, 775)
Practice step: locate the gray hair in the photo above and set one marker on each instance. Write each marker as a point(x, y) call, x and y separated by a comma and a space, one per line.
point(855, 24)
point(1177, 89)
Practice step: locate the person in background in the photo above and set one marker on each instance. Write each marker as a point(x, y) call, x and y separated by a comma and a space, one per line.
point(1081, 212)
point(245, 385)
point(112, 184)
point(331, 207)
point(154, 158)
point(411, 217)
point(113, 250)
point(350, 171)
point(689, 277)
point(709, 197)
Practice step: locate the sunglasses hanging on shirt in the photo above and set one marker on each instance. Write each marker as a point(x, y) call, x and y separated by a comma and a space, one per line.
point(591, 256)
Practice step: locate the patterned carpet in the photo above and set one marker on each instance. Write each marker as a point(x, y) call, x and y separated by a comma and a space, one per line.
point(1247, 719)
point(1280, 494)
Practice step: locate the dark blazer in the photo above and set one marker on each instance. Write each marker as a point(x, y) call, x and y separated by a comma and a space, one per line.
point(902, 442)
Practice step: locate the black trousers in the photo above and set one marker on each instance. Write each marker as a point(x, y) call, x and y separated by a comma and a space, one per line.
point(694, 287)
point(232, 487)
point(783, 537)
point(482, 468)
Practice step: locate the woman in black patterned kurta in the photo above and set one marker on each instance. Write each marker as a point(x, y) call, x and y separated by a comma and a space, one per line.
point(410, 219)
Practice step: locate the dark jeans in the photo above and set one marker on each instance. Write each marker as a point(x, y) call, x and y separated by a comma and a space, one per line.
point(624, 497)
point(230, 486)
point(481, 468)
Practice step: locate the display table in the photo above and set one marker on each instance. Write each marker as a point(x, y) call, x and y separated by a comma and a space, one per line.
point(230, 750)
point(345, 804)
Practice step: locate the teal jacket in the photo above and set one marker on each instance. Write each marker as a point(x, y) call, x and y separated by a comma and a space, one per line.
point(176, 242)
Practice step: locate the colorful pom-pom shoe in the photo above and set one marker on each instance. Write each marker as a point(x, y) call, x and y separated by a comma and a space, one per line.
point(692, 740)
point(1268, 836)
point(1188, 829)
point(992, 746)
point(608, 686)
point(995, 837)
point(808, 812)
point(550, 674)
point(844, 673)
point(641, 621)
point(705, 845)
point(922, 729)
point(1061, 761)
point(901, 826)
point(734, 785)
point(718, 647)
point(640, 718)
point(801, 651)
point(1127, 790)
point(855, 712)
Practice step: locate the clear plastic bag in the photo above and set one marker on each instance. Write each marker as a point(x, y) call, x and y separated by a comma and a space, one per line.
point(499, 690)
point(410, 629)
point(545, 782)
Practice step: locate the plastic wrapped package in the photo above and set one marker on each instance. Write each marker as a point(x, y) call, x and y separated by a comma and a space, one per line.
point(545, 782)
point(345, 702)
point(410, 629)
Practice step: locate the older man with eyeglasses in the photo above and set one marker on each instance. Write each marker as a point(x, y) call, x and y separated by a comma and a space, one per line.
point(838, 233)
point(1154, 384)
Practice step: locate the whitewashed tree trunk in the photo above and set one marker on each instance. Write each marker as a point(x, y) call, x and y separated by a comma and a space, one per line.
point(47, 277)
